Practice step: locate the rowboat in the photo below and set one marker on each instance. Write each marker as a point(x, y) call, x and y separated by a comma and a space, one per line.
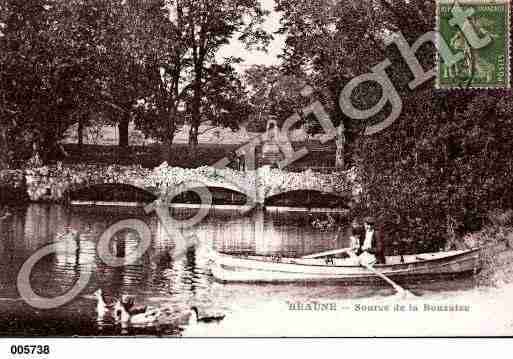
point(251, 268)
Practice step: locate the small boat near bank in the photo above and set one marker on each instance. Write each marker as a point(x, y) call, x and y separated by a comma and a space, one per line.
point(231, 268)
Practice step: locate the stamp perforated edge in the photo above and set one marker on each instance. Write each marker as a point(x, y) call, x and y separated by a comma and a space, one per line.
point(508, 44)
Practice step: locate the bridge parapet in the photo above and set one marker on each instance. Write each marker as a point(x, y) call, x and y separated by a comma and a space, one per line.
point(53, 183)
point(259, 184)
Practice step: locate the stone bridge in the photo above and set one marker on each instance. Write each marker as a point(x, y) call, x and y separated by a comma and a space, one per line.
point(136, 184)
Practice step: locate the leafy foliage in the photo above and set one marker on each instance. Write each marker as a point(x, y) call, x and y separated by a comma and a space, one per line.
point(207, 26)
point(274, 93)
point(81, 61)
point(36, 86)
point(445, 162)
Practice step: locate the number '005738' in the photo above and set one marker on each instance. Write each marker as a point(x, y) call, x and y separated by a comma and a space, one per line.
point(30, 349)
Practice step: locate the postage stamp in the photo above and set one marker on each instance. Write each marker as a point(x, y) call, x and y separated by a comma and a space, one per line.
point(478, 33)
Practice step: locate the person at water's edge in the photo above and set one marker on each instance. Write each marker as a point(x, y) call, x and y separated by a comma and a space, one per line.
point(373, 241)
point(353, 235)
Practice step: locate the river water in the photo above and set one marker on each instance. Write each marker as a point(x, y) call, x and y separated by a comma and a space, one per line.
point(158, 280)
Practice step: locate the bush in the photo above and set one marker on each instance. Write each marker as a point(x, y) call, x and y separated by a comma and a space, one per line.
point(435, 174)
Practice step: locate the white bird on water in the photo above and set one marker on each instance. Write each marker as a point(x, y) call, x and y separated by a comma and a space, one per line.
point(198, 325)
point(102, 306)
point(195, 318)
point(149, 315)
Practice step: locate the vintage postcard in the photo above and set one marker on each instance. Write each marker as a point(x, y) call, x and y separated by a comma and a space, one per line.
point(255, 168)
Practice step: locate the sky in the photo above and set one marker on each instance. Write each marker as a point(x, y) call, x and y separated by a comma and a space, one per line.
point(236, 48)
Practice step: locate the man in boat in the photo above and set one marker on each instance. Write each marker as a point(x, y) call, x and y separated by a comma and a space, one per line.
point(372, 249)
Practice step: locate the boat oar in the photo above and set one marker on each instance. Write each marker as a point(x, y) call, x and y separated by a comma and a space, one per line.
point(325, 253)
point(400, 290)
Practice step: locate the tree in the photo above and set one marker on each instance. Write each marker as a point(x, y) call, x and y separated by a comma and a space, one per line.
point(208, 25)
point(152, 61)
point(334, 42)
point(275, 93)
point(130, 31)
point(167, 80)
point(173, 97)
point(38, 77)
point(83, 25)
point(225, 102)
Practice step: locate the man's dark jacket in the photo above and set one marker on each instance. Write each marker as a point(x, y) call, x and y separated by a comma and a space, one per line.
point(377, 247)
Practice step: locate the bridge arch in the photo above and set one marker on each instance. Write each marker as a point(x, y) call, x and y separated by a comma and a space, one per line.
point(307, 198)
point(110, 192)
point(220, 195)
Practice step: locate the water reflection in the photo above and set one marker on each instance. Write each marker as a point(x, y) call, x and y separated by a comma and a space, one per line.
point(156, 279)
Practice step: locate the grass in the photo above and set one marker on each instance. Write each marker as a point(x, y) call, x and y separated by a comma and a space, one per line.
point(205, 155)
point(146, 156)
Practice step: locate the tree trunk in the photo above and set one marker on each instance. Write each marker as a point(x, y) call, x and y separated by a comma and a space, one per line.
point(196, 113)
point(123, 131)
point(80, 133)
point(4, 148)
point(47, 146)
point(193, 138)
point(166, 150)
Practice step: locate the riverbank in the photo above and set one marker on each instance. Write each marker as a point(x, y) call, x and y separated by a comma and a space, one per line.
point(496, 239)
point(13, 186)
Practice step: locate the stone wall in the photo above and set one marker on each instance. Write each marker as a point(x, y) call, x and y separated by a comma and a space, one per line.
point(53, 183)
